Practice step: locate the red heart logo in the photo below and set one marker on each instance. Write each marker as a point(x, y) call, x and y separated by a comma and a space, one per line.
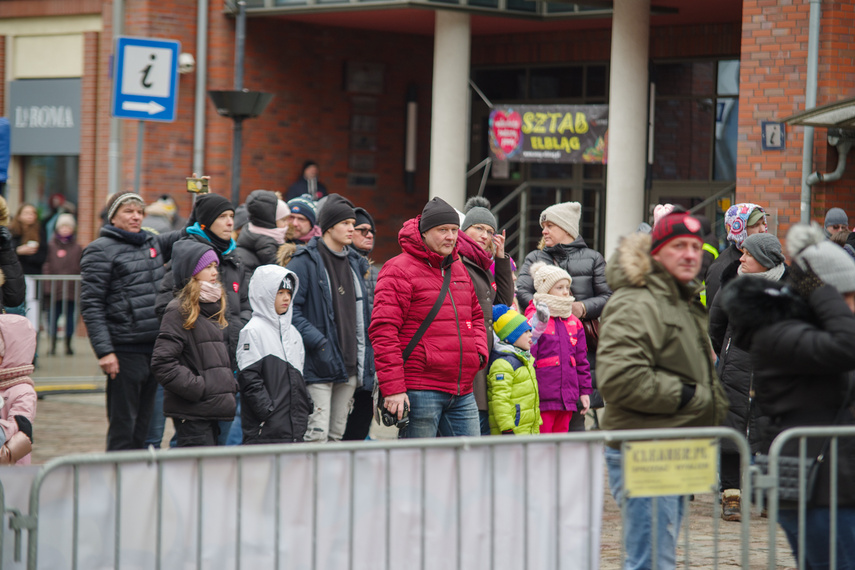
point(506, 132)
point(235, 286)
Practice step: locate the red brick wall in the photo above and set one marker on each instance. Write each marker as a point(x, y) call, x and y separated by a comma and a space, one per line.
point(90, 159)
point(309, 116)
point(772, 85)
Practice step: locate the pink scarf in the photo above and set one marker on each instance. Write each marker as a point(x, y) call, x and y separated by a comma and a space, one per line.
point(278, 234)
point(211, 292)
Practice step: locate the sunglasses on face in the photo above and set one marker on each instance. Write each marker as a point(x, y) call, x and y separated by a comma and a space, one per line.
point(364, 231)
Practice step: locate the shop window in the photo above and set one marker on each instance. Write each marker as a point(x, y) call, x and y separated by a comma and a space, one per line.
point(596, 81)
point(557, 83)
point(44, 176)
point(685, 78)
point(501, 84)
point(682, 139)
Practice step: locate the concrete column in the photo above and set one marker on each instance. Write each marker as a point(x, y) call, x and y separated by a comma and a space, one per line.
point(450, 108)
point(628, 104)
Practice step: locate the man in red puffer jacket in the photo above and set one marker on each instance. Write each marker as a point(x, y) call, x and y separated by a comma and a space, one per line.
point(436, 381)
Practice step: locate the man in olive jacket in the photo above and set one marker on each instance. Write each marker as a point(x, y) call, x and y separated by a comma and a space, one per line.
point(655, 363)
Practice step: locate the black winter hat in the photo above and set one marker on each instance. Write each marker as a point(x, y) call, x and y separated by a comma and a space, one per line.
point(208, 208)
point(438, 212)
point(336, 209)
point(186, 253)
point(261, 207)
point(363, 217)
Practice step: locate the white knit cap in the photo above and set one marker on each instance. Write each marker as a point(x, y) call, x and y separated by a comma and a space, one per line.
point(565, 215)
point(546, 276)
point(807, 246)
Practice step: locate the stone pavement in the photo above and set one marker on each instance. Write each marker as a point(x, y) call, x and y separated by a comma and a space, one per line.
point(77, 423)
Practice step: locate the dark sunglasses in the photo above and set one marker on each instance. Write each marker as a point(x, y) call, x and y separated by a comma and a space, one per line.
point(364, 231)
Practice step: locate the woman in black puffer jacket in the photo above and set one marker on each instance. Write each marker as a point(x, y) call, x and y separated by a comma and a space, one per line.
point(563, 246)
point(763, 257)
point(800, 338)
point(191, 356)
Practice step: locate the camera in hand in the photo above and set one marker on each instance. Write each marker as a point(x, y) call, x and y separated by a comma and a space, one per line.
point(390, 419)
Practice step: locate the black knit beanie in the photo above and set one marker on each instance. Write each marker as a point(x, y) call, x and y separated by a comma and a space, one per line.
point(363, 217)
point(438, 212)
point(336, 209)
point(208, 208)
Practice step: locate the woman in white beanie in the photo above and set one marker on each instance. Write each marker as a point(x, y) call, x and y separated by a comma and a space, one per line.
point(800, 337)
point(562, 245)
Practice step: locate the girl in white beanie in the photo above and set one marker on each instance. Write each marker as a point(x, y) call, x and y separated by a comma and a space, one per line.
point(560, 353)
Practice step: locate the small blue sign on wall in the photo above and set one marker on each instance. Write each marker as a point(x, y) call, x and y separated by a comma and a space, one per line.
point(145, 79)
point(774, 135)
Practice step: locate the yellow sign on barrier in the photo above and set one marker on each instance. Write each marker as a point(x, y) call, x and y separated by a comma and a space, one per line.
point(672, 467)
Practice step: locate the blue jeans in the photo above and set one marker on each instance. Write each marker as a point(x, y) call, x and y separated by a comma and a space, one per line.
point(637, 527)
point(817, 533)
point(158, 421)
point(441, 414)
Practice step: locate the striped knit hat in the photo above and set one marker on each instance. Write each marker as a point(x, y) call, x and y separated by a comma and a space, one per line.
point(509, 324)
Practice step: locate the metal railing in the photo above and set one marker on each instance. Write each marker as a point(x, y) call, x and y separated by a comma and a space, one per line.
point(770, 484)
point(489, 502)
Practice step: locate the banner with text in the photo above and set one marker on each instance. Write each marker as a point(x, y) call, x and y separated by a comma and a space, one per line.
point(550, 133)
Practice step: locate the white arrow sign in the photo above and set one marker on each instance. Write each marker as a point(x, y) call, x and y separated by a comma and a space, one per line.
point(151, 107)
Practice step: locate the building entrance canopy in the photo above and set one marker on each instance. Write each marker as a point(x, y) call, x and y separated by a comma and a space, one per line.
point(840, 114)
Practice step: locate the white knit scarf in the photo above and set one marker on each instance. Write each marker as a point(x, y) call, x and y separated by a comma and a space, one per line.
point(773, 274)
point(558, 306)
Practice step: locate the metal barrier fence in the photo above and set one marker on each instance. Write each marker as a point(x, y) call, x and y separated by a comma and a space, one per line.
point(57, 298)
point(771, 482)
point(444, 503)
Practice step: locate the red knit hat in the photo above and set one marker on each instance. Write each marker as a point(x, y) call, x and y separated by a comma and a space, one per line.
point(673, 226)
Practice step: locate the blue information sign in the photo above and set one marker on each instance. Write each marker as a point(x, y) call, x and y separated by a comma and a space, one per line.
point(145, 79)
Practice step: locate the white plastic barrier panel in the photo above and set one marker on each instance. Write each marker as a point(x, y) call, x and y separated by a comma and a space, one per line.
point(527, 504)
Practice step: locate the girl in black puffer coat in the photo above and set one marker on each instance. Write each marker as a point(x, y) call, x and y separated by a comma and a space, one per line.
point(191, 356)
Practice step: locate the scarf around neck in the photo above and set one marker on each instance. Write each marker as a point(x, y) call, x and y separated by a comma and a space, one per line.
point(773, 274)
point(558, 306)
point(278, 234)
point(17, 375)
point(211, 292)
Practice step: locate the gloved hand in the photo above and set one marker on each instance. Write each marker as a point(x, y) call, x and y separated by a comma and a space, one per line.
point(804, 281)
point(5, 238)
point(542, 312)
point(25, 426)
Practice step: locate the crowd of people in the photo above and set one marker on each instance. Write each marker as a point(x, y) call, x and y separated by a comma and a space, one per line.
point(270, 323)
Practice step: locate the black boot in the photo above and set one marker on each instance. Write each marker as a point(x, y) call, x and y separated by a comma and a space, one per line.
point(68, 350)
point(53, 346)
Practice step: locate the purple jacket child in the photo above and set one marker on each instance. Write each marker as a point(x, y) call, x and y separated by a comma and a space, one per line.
point(561, 362)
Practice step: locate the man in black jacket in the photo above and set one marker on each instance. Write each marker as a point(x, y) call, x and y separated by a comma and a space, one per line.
point(332, 314)
point(121, 273)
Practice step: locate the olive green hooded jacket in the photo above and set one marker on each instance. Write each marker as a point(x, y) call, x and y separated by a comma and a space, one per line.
point(653, 341)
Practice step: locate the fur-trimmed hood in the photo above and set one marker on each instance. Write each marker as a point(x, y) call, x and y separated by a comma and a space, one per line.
point(752, 303)
point(631, 264)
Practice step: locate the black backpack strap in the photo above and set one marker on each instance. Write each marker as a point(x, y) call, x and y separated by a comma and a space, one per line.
point(433, 312)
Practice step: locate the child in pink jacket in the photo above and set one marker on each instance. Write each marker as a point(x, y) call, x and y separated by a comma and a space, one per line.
point(17, 392)
point(560, 351)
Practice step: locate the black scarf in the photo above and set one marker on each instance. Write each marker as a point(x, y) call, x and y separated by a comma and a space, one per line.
point(135, 238)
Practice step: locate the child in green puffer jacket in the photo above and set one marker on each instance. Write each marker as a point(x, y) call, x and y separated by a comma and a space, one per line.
point(513, 401)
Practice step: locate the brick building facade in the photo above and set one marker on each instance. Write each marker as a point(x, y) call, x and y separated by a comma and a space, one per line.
point(303, 60)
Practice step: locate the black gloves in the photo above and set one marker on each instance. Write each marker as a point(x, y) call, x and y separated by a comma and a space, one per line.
point(804, 281)
point(686, 395)
point(25, 426)
point(5, 238)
